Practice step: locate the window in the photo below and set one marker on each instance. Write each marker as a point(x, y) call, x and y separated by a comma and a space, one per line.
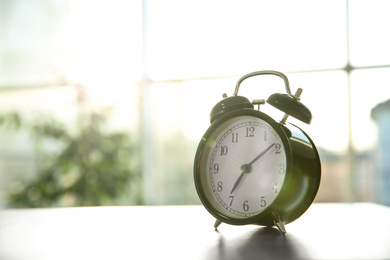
point(160, 67)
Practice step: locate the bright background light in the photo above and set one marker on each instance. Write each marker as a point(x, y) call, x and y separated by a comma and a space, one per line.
point(162, 65)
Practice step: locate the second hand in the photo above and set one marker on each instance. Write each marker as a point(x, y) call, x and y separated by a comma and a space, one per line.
point(236, 162)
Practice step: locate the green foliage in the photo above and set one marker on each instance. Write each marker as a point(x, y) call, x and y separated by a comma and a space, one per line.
point(87, 168)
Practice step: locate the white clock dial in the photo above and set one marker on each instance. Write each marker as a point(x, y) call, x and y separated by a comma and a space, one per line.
point(246, 166)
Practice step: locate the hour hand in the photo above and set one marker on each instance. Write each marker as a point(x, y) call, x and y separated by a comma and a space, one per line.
point(246, 168)
point(237, 182)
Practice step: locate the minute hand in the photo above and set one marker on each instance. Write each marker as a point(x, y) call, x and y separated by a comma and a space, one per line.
point(261, 154)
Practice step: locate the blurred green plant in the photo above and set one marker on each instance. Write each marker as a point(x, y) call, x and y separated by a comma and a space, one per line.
point(88, 167)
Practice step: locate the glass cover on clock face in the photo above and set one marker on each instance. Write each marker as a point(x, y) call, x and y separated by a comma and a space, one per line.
point(244, 167)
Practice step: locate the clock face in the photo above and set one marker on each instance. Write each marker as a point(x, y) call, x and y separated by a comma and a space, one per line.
point(243, 167)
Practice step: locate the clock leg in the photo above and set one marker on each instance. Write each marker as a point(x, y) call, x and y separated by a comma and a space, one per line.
point(217, 223)
point(278, 222)
point(280, 226)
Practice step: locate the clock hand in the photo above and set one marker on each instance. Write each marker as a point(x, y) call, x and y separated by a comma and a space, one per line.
point(235, 161)
point(247, 168)
point(261, 154)
point(238, 181)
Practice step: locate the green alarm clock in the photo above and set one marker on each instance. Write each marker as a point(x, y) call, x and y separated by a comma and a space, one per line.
point(251, 169)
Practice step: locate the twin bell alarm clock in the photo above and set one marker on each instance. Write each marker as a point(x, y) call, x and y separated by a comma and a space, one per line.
point(250, 168)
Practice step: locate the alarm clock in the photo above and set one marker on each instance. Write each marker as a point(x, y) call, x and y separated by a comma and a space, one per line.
point(251, 169)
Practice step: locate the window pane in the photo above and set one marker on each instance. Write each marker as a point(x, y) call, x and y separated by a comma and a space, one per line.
point(369, 37)
point(33, 46)
point(48, 42)
point(105, 38)
point(28, 150)
point(368, 89)
point(17, 156)
point(217, 38)
point(370, 95)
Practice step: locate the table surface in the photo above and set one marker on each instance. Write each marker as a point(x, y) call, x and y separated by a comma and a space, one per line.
point(325, 231)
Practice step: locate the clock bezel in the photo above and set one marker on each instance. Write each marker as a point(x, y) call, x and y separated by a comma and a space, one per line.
point(200, 156)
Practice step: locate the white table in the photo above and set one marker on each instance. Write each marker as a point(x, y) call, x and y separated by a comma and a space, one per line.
point(325, 231)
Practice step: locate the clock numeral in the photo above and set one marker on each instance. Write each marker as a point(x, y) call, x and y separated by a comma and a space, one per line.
point(263, 202)
point(231, 198)
point(265, 135)
point(250, 131)
point(245, 206)
point(219, 186)
point(277, 146)
point(216, 168)
point(224, 150)
point(234, 137)
point(276, 188)
point(282, 168)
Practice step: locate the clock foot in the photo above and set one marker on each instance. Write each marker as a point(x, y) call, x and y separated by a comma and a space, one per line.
point(217, 223)
point(279, 223)
point(280, 226)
